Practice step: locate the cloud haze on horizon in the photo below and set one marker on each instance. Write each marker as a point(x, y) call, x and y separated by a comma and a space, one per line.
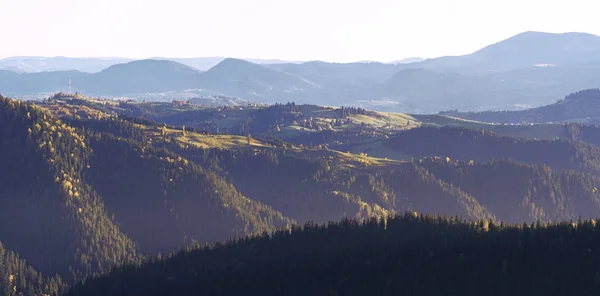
point(332, 30)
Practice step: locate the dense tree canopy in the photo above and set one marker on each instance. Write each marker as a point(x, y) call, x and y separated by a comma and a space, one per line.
point(98, 188)
point(407, 255)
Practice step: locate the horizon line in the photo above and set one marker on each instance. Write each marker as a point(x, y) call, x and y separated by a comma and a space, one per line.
point(275, 60)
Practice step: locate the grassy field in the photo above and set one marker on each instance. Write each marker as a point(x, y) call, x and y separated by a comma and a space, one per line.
point(368, 150)
point(219, 141)
point(442, 120)
point(338, 158)
point(206, 141)
point(378, 150)
point(346, 159)
point(61, 109)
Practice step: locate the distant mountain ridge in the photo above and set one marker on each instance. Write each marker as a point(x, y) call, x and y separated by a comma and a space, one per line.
point(205, 63)
point(131, 77)
point(408, 60)
point(523, 50)
point(582, 106)
point(44, 64)
point(527, 70)
point(34, 64)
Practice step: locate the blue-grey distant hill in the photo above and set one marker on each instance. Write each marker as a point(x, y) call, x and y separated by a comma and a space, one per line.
point(45, 64)
point(528, 49)
point(582, 106)
point(31, 64)
point(528, 70)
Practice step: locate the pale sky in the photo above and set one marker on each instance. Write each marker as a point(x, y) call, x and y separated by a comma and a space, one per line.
point(328, 30)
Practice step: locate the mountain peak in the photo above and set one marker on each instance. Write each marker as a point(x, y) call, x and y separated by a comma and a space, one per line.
point(534, 40)
point(532, 48)
point(234, 61)
point(538, 36)
point(408, 60)
point(150, 65)
point(232, 65)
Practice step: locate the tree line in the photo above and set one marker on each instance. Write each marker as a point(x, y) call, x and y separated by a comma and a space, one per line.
point(410, 254)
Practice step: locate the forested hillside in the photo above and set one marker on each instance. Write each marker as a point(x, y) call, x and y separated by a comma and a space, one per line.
point(406, 255)
point(45, 201)
point(481, 145)
point(517, 192)
point(160, 198)
point(98, 184)
point(321, 184)
point(19, 278)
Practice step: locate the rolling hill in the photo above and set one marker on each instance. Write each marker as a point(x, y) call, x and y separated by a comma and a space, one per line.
point(328, 75)
point(353, 129)
point(98, 183)
point(247, 80)
point(320, 177)
point(28, 83)
point(466, 144)
point(141, 76)
point(31, 64)
point(523, 50)
point(582, 106)
point(205, 63)
point(129, 78)
point(423, 90)
point(525, 71)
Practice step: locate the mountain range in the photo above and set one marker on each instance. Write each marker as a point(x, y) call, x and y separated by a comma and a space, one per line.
point(528, 70)
point(581, 106)
point(31, 64)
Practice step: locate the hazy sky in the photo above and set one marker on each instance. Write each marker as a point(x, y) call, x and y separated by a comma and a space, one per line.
point(330, 30)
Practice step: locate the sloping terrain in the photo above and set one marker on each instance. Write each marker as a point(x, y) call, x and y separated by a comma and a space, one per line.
point(406, 255)
point(482, 145)
point(357, 76)
point(19, 278)
point(97, 183)
point(247, 80)
point(139, 77)
point(582, 106)
point(423, 90)
point(523, 50)
point(45, 201)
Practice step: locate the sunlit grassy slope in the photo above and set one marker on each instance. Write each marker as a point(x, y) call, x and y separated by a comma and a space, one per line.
point(374, 125)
